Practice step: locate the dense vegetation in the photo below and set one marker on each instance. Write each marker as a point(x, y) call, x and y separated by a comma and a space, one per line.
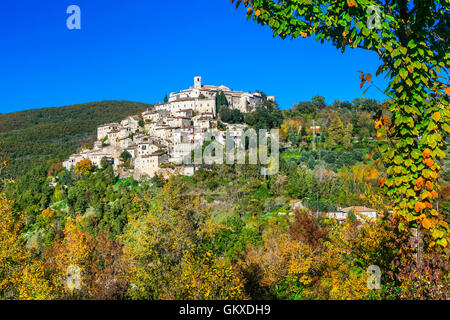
point(410, 39)
point(31, 137)
point(225, 233)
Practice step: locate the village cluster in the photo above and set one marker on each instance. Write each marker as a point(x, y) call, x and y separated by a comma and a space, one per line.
point(158, 141)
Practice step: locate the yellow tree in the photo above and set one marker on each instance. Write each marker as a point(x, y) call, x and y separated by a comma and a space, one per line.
point(156, 239)
point(12, 251)
point(83, 167)
point(207, 277)
point(33, 282)
point(68, 259)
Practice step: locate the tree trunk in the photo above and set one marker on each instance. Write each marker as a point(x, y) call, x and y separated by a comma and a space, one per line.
point(416, 242)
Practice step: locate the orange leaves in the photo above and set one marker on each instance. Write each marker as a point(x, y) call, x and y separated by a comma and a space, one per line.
point(436, 116)
point(447, 90)
point(257, 11)
point(303, 34)
point(83, 167)
point(378, 124)
point(419, 182)
point(429, 185)
point(351, 3)
point(426, 223)
point(410, 69)
point(362, 84)
point(361, 77)
point(382, 181)
point(434, 194)
point(426, 154)
point(364, 77)
point(429, 162)
point(47, 213)
point(419, 206)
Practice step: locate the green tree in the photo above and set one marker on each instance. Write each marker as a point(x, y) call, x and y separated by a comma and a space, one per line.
point(225, 114)
point(351, 216)
point(303, 132)
point(267, 115)
point(221, 101)
point(338, 135)
point(104, 163)
point(411, 41)
point(125, 156)
point(83, 167)
point(318, 102)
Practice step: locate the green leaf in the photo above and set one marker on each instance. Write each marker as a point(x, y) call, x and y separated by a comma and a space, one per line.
point(416, 154)
point(382, 148)
point(411, 44)
point(398, 160)
point(403, 73)
point(409, 140)
point(442, 242)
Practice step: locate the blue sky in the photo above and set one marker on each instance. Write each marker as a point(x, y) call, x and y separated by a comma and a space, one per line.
point(140, 50)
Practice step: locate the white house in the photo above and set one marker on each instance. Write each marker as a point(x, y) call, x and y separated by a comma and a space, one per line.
point(368, 213)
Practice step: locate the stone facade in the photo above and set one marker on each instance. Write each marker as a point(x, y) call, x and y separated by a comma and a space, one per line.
point(160, 138)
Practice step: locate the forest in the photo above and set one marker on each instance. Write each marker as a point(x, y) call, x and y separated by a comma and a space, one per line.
point(34, 136)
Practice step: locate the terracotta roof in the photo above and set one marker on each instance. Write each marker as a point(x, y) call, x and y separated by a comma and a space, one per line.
point(155, 154)
point(358, 209)
point(185, 99)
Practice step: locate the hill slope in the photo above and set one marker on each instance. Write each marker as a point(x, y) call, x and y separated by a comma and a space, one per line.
point(30, 137)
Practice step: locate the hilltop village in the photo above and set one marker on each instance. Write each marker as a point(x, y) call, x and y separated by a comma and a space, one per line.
point(158, 141)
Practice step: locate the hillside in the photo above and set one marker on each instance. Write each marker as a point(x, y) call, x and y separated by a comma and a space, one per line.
point(30, 137)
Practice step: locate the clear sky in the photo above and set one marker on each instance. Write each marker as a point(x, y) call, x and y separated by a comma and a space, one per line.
point(140, 50)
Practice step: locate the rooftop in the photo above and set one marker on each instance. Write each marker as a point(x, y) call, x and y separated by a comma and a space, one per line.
point(358, 209)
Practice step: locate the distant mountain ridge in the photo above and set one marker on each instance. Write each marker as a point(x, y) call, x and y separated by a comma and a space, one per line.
point(31, 137)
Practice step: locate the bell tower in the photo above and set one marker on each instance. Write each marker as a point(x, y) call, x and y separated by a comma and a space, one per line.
point(197, 82)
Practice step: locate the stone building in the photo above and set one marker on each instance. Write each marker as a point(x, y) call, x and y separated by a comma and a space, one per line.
point(161, 138)
point(202, 98)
